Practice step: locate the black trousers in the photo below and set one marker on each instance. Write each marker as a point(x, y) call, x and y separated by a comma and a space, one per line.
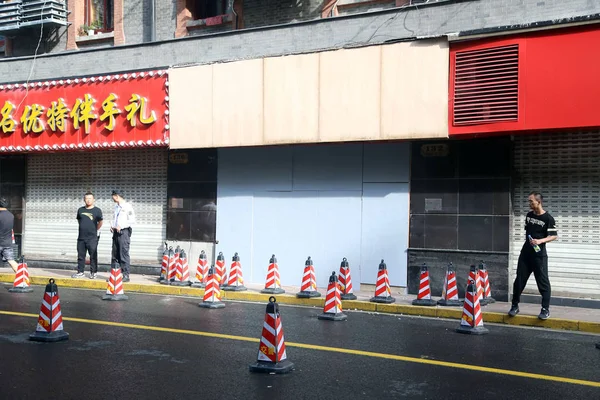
point(539, 266)
point(85, 246)
point(120, 250)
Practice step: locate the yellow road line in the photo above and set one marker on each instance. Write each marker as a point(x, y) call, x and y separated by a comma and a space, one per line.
point(395, 357)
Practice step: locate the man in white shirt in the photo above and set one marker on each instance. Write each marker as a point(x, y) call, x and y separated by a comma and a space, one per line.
point(121, 224)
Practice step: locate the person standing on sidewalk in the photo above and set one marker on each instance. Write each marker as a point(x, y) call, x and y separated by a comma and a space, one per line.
point(89, 218)
point(123, 220)
point(7, 220)
point(540, 229)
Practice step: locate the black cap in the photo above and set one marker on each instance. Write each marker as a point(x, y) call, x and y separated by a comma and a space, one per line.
point(3, 202)
point(117, 192)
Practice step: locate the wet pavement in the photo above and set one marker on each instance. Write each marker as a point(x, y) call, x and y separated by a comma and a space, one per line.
point(105, 361)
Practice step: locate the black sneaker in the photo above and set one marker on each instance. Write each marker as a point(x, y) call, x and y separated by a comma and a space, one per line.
point(78, 275)
point(93, 275)
point(126, 278)
point(514, 310)
point(544, 314)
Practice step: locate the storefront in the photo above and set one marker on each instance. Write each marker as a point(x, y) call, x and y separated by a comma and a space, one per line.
point(542, 89)
point(86, 134)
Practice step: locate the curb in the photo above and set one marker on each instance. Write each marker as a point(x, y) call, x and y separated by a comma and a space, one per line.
point(405, 309)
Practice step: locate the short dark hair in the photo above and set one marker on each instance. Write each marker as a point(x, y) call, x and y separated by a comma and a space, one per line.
point(538, 196)
point(89, 194)
point(117, 192)
point(3, 202)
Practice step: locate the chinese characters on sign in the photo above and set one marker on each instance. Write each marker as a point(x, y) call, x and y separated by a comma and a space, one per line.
point(82, 115)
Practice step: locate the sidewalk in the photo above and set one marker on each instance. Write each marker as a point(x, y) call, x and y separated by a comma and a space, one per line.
point(565, 318)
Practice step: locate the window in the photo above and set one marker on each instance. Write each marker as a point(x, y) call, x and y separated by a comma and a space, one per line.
point(192, 195)
point(202, 9)
point(98, 15)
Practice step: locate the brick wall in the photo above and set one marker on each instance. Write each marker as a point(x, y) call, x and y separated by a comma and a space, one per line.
point(259, 13)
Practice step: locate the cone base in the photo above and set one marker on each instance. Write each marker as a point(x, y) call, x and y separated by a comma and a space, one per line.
point(198, 285)
point(424, 302)
point(273, 291)
point(20, 290)
point(489, 300)
point(160, 279)
point(178, 283)
point(484, 302)
point(479, 330)
point(333, 317)
point(212, 304)
point(282, 367)
point(115, 297)
point(348, 296)
point(166, 282)
point(307, 295)
point(234, 288)
point(450, 303)
point(381, 299)
point(55, 336)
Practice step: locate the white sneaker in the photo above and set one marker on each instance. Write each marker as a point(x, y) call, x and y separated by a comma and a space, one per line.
point(78, 275)
point(93, 275)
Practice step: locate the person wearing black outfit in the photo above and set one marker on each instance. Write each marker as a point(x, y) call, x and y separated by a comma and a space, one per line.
point(90, 222)
point(540, 229)
point(7, 220)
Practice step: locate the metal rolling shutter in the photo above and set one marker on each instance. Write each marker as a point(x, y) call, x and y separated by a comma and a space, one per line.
point(55, 187)
point(565, 167)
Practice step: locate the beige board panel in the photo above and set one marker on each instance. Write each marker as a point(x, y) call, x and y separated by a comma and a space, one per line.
point(414, 90)
point(350, 95)
point(191, 107)
point(291, 99)
point(238, 103)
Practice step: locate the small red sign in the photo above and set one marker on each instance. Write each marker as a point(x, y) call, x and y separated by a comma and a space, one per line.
point(122, 110)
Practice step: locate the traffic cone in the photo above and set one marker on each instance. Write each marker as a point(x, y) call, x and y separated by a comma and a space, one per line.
point(273, 284)
point(21, 284)
point(472, 319)
point(212, 293)
point(182, 276)
point(309, 281)
point(272, 357)
point(220, 271)
point(332, 310)
point(383, 293)
point(50, 325)
point(201, 271)
point(114, 289)
point(424, 296)
point(171, 268)
point(164, 266)
point(474, 276)
point(485, 284)
point(236, 280)
point(450, 291)
point(345, 280)
point(12, 232)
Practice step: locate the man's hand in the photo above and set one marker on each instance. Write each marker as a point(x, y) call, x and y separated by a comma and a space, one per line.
point(118, 229)
point(536, 241)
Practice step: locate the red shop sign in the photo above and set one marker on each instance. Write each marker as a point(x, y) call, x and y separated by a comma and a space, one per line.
point(114, 111)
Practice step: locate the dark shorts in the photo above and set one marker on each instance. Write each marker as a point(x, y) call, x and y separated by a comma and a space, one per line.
point(7, 254)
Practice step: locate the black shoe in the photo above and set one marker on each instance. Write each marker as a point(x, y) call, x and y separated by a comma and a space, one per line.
point(544, 314)
point(514, 310)
point(126, 278)
point(598, 345)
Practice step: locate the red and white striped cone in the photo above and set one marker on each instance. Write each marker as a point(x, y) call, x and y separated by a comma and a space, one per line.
point(332, 311)
point(220, 271)
point(171, 268)
point(236, 279)
point(201, 271)
point(309, 281)
point(182, 275)
point(114, 289)
point(273, 283)
point(272, 357)
point(212, 293)
point(474, 276)
point(383, 292)
point(485, 285)
point(164, 266)
point(450, 291)
point(12, 232)
point(50, 324)
point(424, 296)
point(345, 281)
point(472, 319)
point(21, 284)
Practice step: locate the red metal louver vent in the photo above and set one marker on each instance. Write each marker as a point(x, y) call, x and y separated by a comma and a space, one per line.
point(486, 84)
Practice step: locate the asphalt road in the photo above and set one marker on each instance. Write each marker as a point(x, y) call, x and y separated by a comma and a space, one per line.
point(204, 353)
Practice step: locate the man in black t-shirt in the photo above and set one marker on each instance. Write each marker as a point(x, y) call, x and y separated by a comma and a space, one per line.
point(540, 229)
point(90, 222)
point(6, 227)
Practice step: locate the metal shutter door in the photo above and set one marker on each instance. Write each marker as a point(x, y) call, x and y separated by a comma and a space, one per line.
point(55, 187)
point(565, 167)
